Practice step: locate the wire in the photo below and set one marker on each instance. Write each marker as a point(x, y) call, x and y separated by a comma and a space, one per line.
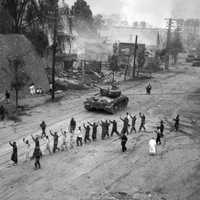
point(155, 94)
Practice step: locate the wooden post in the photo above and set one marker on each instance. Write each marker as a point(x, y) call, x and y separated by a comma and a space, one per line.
point(135, 52)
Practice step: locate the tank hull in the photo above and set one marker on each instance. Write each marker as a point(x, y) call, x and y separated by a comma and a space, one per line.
point(107, 104)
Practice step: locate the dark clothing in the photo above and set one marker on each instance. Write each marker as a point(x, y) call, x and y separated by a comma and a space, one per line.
point(94, 131)
point(162, 130)
point(2, 113)
point(107, 128)
point(143, 121)
point(43, 127)
point(114, 128)
point(148, 89)
point(55, 142)
point(123, 142)
point(14, 156)
point(103, 130)
point(87, 134)
point(133, 124)
point(125, 126)
point(176, 125)
point(79, 141)
point(37, 155)
point(37, 143)
point(7, 95)
point(158, 141)
point(72, 125)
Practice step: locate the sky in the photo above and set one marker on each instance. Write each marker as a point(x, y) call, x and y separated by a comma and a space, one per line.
point(152, 11)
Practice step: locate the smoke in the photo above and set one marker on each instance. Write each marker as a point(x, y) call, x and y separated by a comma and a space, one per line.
point(155, 11)
point(186, 9)
point(151, 11)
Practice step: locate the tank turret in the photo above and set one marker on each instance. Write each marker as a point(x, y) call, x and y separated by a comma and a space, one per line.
point(109, 100)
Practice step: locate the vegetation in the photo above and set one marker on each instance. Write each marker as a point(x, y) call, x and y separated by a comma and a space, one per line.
point(18, 76)
point(176, 46)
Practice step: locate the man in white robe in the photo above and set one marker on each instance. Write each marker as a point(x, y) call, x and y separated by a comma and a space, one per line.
point(152, 146)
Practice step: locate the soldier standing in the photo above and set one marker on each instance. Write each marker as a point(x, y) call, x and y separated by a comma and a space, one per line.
point(143, 121)
point(125, 125)
point(177, 121)
point(43, 127)
point(27, 151)
point(107, 124)
point(79, 138)
point(87, 133)
point(94, 130)
point(102, 130)
point(55, 141)
point(158, 136)
point(114, 127)
point(72, 125)
point(133, 121)
point(37, 155)
point(161, 127)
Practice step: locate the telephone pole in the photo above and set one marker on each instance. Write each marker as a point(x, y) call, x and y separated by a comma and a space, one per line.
point(135, 52)
point(54, 49)
point(170, 22)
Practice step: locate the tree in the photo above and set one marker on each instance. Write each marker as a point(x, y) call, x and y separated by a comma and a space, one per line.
point(17, 11)
point(5, 22)
point(81, 10)
point(113, 61)
point(176, 46)
point(98, 21)
point(18, 76)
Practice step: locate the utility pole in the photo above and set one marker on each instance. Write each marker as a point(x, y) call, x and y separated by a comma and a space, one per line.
point(170, 22)
point(54, 49)
point(135, 52)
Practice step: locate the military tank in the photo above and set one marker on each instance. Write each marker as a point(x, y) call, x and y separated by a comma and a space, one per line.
point(108, 100)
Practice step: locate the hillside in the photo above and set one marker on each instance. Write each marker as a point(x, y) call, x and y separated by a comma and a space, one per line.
point(12, 45)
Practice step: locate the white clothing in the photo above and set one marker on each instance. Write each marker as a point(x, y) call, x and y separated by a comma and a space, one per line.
point(79, 134)
point(152, 146)
point(32, 89)
point(27, 152)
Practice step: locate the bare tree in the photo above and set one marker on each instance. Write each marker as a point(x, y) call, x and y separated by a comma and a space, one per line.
point(18, 76)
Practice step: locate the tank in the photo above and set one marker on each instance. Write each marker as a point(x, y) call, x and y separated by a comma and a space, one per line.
point(108, 100)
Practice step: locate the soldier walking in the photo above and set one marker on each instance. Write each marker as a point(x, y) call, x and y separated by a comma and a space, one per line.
point(123, 142)
point(14, 156)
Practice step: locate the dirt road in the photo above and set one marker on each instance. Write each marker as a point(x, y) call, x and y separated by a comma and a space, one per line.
point(100, 170)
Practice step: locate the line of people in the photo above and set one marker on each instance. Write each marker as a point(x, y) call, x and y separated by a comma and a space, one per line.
point(76, 136)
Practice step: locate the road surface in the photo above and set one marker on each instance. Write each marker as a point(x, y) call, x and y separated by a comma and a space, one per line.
point(99, 170)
